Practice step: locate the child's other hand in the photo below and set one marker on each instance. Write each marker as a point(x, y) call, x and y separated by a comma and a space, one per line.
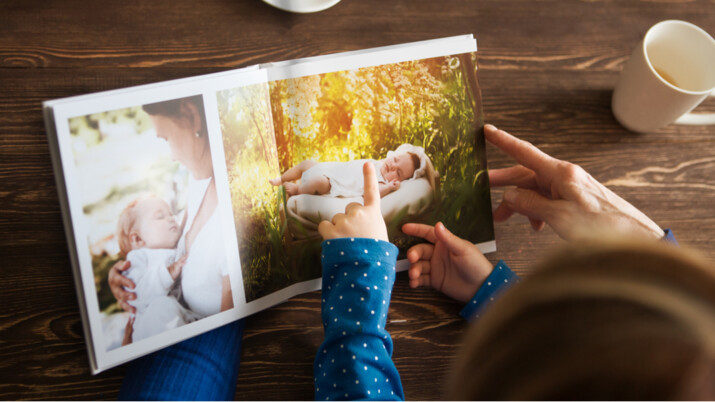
point(175, 268)
point(449, 264)
point(359, 220)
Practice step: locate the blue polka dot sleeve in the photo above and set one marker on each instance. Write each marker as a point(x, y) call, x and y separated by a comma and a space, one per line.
point(669, 237)
point(355, 359)
point(498, 281)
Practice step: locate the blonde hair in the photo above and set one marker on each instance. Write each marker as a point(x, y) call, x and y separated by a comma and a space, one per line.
point(598, 321)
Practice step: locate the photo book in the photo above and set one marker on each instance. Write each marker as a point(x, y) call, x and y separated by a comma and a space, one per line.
point(192, 203)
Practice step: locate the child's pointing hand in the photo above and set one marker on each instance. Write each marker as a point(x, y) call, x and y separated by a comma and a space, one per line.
point(359, 220)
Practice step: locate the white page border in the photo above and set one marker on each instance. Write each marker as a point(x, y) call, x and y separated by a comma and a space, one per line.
point(114, 100)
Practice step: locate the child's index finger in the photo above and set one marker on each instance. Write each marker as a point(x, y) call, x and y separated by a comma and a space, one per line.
point(372, 191)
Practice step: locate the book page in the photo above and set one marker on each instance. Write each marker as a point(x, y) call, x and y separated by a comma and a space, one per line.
point(419, 120)
point(144, 176)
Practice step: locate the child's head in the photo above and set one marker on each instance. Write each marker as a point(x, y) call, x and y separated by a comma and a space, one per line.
point(400, 167)
point(408, 162)
point(147, 223)
point(622, 321)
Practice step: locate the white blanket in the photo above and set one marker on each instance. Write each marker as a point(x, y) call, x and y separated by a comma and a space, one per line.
point(308, 211)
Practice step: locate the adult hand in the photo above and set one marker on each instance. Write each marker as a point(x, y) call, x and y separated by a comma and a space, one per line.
point(359, 220)
point(447, 263)
point(128, 331)
point(117, 283)
point(561, 194)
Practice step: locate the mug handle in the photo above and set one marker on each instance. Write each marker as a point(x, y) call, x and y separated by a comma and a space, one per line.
point(697, 119)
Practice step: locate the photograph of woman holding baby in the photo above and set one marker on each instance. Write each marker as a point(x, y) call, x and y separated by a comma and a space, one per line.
point(294, 153)
point(181, 123)
point(170, 267)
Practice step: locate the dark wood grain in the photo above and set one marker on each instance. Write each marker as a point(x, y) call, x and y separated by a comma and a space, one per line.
point(546, 69)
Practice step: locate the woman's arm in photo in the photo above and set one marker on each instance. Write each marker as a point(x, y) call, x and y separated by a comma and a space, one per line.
point(226, 294)
point(117, 282)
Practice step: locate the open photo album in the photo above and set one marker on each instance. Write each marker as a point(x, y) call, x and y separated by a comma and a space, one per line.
point(192, 203)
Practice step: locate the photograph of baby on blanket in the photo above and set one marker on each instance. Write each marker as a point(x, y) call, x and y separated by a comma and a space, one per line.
point(295, 148)
point(317, 191)
point(345, 179)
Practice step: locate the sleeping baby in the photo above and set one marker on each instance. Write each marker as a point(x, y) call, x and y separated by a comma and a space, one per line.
point(345, 179)
point(147, 233)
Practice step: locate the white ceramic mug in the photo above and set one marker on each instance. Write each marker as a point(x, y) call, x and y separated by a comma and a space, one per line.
point(302, 6)
point(670, 73)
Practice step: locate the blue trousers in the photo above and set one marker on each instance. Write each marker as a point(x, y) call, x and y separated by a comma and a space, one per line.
point(201, 368)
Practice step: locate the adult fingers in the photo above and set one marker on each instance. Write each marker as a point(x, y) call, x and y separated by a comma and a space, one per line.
point(420, 252)
point(536, 224)
point(502, 213)
point(115, 277)
point(125, 295)
point(371, 194)
point(531, 204)
point(125, 265)
point(128, 331)
point(454, 244)
point(127, 307)
point(522, 151)
point(122, 281)
point(518, 175)
point(420, 230)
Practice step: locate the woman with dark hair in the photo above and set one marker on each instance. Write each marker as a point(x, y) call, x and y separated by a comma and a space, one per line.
point(211, 359)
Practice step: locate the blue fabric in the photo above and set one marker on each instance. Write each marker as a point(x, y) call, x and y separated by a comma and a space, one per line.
point(201, 368)
point(500, 279)
point(355, 359)
point(669, 237)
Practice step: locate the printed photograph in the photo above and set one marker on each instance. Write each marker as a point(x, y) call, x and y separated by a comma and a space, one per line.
point(295, 150)
point(149, 200)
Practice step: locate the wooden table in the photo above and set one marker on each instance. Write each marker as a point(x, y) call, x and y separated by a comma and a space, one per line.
point(546, 68)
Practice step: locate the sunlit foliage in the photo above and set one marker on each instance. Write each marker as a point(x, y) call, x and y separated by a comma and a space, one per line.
point(364, 113)
point(251, 159)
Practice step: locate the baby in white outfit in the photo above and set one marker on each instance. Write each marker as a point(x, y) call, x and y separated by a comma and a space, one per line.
point(345, 179)
point(148, 234)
